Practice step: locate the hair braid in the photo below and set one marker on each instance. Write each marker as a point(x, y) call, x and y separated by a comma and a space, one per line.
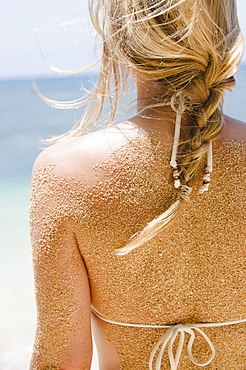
point(200, 88)
point(205, 109)
point(207, 122)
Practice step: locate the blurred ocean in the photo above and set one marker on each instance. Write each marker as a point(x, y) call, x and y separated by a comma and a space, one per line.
point(25, 119)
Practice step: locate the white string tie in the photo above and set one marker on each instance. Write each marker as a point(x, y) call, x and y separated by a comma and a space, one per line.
point(210, 157)
point(179, 109)
point(169, 338)
point(178, 105)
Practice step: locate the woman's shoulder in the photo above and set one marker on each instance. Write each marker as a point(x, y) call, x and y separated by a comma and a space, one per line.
point(77, 156)
point(233, 130)
point(230, 147)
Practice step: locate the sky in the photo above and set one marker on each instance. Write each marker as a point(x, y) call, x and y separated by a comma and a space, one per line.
point(59, 31)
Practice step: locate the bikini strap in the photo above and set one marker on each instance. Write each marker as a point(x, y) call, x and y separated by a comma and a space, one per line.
point(170, 337)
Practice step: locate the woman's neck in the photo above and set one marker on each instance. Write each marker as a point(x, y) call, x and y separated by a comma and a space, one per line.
point(153, 116)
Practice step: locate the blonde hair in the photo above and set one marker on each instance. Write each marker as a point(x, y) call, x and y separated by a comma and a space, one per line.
point(190, 47)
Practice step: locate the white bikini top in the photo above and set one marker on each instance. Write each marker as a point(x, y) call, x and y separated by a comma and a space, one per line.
point(168, 339)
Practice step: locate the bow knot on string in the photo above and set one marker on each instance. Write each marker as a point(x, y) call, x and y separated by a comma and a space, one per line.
point(168, 339)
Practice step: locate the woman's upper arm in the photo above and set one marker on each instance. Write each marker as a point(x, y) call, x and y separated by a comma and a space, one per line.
point(63, 335)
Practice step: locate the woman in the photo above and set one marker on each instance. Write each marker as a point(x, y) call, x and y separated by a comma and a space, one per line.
point(125, 227)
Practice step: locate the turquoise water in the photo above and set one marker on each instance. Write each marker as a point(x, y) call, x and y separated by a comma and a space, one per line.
point(25, 119)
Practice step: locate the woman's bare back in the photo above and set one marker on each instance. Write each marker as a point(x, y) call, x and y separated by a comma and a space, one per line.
point(90, 195)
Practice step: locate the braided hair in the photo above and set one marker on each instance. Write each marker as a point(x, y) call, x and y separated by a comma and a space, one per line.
point(190, 48)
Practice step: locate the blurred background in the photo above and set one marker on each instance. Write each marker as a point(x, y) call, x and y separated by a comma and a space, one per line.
point(33, 35)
